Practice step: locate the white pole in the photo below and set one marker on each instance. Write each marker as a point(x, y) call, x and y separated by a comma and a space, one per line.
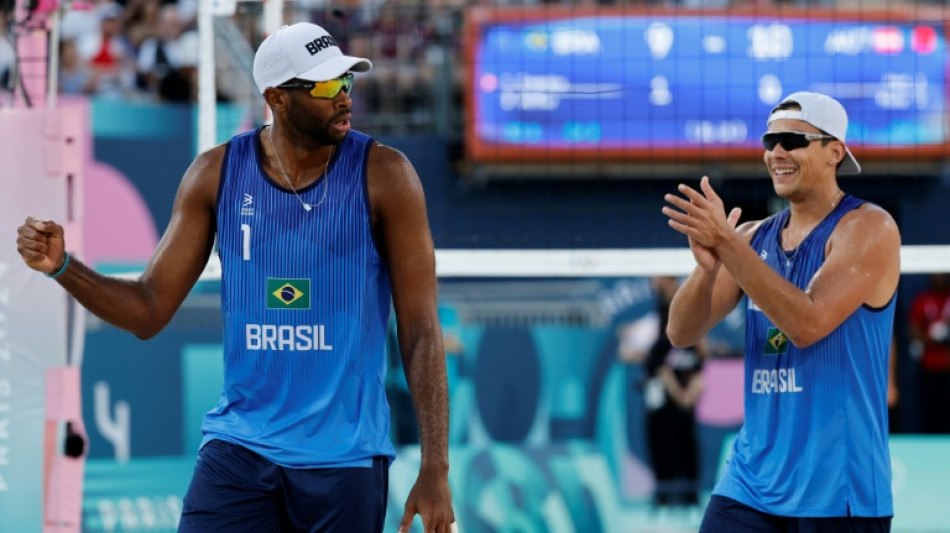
point(273, 20)
point(273, 15)
point(52, 75)
point(207, 92)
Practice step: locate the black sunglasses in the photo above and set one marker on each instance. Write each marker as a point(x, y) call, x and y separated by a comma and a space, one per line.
point(791, 140)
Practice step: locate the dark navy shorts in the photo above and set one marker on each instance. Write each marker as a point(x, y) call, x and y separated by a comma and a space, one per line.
point(725, 515)
point(235, 490)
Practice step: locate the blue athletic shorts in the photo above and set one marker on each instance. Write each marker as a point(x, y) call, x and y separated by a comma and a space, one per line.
point(725, 515)
point(235, 490)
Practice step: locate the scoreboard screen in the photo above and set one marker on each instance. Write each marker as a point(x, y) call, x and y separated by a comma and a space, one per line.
point(550, 84)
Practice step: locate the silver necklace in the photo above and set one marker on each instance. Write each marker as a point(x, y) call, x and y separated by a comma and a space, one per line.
point(326, 185)
point(794, 252)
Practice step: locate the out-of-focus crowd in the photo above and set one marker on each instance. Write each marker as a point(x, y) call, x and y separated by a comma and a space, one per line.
point(148, 49)
point(137, 49)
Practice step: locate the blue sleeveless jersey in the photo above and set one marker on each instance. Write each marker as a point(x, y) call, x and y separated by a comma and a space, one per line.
point(814, 441)
point(305, 297)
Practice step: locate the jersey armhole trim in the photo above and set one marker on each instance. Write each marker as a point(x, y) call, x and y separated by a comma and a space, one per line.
point(225, 161)
point(364, 179)
point(221, 177)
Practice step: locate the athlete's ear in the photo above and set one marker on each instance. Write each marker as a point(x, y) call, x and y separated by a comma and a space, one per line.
point(837, 150)
point(275, 98)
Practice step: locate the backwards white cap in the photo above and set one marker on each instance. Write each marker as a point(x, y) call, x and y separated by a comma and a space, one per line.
point(824, 113)
point(305, 51)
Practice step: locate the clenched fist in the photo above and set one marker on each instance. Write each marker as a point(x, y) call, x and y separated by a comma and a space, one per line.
point(41, 245)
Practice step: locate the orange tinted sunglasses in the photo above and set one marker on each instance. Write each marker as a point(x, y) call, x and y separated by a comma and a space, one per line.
point(324, 89)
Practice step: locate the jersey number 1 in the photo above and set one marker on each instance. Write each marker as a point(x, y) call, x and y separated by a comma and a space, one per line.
point(246, 241)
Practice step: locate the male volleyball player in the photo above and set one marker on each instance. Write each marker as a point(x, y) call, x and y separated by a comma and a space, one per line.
point(821, 279)
point(319, 226)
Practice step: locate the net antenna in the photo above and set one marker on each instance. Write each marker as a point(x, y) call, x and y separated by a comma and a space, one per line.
point(213, 18)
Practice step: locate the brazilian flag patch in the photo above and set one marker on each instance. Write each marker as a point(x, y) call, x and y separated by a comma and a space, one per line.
point(776, 343)
point(288, 293)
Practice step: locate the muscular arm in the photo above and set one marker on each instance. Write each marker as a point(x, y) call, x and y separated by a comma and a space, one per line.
point(862, 266)
point(402, 230)
point(704, 299)
point(145, 305)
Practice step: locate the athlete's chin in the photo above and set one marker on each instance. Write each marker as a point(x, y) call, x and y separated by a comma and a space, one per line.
point(782, 188)
point(328, 137)
point(337, 135)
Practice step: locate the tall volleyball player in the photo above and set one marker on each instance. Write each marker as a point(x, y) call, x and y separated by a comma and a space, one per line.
point(319, 228)
point(821, 279)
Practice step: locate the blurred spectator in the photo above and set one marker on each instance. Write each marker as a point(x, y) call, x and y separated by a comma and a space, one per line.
point(398, 42)
point(108, 54)
point(417, 83)
point(929, 332)
point(79, 21)
point(636, 338)
point(344, 19)
point(673, 387)
point(188, 11)
point(75, 76)
point(445, 56)
point(159, 54)
point(142, 20)
point(180, 82)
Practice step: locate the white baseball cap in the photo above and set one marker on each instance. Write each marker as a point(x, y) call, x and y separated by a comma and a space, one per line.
point(824, 113)
point(304, 51)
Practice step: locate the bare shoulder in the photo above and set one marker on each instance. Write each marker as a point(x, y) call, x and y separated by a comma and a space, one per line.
point(386, 155)
point(208, 164)
point(868, 223)
point(212, 155)
point(386, 161)
point(397, 206)
point(204, 174)
point(865, 245)
point(390, 175)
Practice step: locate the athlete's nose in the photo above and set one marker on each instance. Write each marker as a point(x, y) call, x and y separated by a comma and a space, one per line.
point(342, 99)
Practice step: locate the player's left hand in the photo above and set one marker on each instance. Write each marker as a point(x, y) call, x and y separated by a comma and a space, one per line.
point(701, 215)
point(431, 499)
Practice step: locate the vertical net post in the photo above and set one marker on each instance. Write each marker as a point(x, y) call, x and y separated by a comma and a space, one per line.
point(272, 18)
point(207, 112)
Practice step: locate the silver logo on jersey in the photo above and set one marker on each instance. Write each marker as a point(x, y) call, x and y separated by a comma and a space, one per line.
point(775, 381)
point(247, 207)
point(277, 337)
